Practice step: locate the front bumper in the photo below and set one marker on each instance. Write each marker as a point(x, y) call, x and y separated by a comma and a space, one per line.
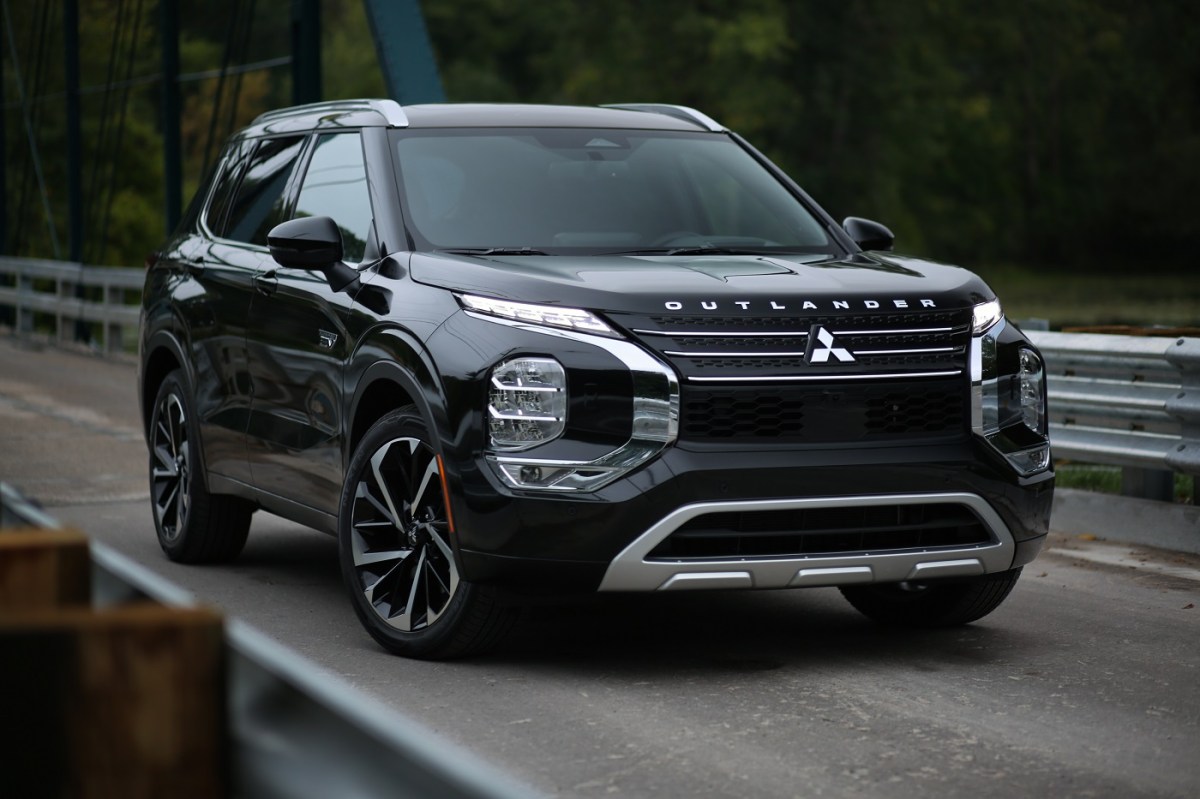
point(610, 540)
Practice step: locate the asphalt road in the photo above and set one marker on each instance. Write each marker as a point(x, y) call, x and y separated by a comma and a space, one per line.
point(1085, 683)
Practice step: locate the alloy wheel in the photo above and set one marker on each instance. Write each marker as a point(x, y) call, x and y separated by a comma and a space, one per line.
point(169, 470)
point(399, 536)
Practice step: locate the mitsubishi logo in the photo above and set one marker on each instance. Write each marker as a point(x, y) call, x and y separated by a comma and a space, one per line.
point(823, 345)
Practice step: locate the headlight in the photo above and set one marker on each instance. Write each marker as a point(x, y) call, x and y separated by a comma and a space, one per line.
point(549, 316)
point(986, 315)
point(527, 403)
point(1030, 391)
point(1008, 411)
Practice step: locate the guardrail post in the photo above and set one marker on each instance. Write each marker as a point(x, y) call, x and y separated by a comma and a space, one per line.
point(1157, 484)
point(1184, 355)
point(64, 292)
point(24, 304)
point(114, 297)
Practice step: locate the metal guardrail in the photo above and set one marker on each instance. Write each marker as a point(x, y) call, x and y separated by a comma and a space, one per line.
point(32, 286)
point(301, 732)
point(296, 730)
point(1129, 401)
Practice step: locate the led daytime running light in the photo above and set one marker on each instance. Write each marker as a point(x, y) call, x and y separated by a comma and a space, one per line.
point(549, 316)
point(986, 315)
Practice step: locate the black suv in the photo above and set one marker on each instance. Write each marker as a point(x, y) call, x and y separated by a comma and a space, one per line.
point(498, 348)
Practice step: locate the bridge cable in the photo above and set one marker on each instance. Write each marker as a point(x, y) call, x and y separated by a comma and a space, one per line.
point(28, 124)
point(243, 48)
point(120, 134)
point(23, 202)
point(99, 158)
point(225, 60)
point(38, 25)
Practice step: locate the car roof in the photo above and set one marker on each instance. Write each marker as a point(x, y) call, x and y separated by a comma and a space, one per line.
point(389, 113)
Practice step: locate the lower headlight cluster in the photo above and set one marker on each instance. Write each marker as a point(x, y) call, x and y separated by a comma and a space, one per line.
point(1030, 391)
point(527, 403)
point(1009, 410)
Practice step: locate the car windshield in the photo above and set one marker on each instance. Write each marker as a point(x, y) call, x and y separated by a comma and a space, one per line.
point(590, 191)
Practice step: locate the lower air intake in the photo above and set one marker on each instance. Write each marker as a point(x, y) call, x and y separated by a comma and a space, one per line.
point(824, 531)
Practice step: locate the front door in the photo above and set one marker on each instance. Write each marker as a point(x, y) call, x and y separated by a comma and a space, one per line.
point(298, 343)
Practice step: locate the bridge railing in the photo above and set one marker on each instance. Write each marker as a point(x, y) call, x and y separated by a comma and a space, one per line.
point(293, 730)
point(1128, 401)
point(36, 290)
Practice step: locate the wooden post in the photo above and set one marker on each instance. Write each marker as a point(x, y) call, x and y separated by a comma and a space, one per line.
point(43, 569)
point(127, 701)
point(122, 702)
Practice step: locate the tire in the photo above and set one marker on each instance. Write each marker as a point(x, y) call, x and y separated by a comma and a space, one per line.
point(396, 548)
point(193, 525)
point(935, 603)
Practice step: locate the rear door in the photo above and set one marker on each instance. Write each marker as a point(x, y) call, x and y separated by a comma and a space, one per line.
point(222, 263)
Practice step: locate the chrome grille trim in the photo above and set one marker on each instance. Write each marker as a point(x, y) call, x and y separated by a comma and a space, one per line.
point(686, 334)
point(832, 377)
point(897, 332)
point(902, 352)
point(750, 354)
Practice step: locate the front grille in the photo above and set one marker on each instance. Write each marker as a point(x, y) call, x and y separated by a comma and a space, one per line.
point(717, 349)
point(740, 415)
point(882, 377)
point(881, 413)
point(824, 531)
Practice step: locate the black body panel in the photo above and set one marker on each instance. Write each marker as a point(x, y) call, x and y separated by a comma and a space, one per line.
point(828, 375)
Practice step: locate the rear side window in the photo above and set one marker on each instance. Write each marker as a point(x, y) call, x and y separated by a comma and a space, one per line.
point(335, 185)
point(258, 205)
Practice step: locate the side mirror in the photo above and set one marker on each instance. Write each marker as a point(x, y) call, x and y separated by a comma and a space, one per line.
point(867, 234)
point(312, 242)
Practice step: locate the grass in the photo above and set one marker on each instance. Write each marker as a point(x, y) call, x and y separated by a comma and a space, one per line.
point(1107, 480)
point(1139, 297)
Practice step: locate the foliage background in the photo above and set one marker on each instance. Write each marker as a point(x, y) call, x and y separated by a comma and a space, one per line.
point(1060, 134)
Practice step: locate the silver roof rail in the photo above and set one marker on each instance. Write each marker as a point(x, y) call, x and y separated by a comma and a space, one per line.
point(676, 111)
point(390, 110)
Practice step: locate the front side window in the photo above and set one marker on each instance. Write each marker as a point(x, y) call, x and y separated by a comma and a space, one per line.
point(258, 205)
point(229, 170)
point(596, 191)
point(335, 185)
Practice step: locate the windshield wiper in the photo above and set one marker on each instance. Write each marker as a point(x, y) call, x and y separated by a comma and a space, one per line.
point(708, 249)
point(494, 251)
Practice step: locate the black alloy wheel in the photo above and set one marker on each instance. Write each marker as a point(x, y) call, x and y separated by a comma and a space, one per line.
point(193, 526)
point(169, 467)
point(397, 553)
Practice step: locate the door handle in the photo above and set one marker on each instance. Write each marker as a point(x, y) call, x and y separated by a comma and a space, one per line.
point(192, 265)
point(266, 282)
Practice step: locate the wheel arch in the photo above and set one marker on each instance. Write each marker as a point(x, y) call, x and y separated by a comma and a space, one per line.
point(164, 354)
point(400, 374)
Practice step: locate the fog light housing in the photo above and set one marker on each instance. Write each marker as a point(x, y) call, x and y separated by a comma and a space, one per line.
point(527, 403)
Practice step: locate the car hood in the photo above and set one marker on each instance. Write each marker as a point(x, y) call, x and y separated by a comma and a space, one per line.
point(738, 284)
